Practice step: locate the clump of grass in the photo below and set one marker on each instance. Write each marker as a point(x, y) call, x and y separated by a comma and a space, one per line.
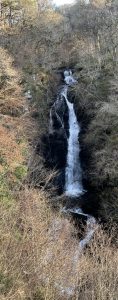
point(5, 284)
point(20, 172)
point(2, 161)
point(6, 197)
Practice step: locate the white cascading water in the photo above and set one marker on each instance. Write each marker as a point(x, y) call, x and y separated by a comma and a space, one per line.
point(73, 172)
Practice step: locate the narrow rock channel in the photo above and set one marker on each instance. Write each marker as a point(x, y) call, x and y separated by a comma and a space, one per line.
point(73, 172)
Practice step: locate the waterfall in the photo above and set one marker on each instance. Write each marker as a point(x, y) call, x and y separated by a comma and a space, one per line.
point(73, 172)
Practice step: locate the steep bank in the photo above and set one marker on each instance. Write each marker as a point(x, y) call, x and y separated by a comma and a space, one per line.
point(37, 244)
point(96, 107)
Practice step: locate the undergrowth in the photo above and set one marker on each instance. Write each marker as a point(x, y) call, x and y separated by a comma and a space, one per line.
point(40, 257)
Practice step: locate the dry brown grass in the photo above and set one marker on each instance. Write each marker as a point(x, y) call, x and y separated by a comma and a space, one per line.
point(40, 256)
point(11, 107)
point(58, 264)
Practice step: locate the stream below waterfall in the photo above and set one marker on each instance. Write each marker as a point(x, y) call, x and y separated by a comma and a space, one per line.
point(73, 171)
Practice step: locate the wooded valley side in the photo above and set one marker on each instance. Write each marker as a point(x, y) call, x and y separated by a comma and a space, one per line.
point(37, 42)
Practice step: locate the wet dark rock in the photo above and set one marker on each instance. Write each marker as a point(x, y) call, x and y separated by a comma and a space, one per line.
point(58, 148)
point(59, 181)
point(58, 114)
point(53, 145)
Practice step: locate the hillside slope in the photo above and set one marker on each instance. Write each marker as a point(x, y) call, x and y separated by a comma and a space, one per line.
point(39, 245)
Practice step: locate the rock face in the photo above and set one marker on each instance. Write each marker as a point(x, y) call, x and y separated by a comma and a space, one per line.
point(56, 142)
point(63, 127)
point(59, 116)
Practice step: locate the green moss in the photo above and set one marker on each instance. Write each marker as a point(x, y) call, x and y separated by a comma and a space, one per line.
point(25, 152)
point(6, 197)
point(20, 172)
point(17, 235)
point(5, 283)
point(2, 161)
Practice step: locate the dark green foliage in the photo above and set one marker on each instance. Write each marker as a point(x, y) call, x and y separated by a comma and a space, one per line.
point(5, 283)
